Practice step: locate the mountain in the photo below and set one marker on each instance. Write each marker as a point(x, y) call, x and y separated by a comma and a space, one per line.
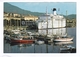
point(14, 9)
point(71, 16)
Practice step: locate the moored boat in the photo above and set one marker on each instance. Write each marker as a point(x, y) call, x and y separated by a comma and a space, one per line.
point(39, 42)
point(15, 31)
point(67, 48)
point(63, 42)
point(66, 38)
point(21, 39)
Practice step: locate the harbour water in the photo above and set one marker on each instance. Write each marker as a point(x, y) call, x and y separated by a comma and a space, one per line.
point(39, 48)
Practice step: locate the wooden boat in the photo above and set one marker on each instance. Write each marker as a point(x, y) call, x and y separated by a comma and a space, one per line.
point(61, 38)
point(21, 39)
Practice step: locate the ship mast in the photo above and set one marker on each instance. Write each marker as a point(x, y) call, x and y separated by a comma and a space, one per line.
point(52, 25)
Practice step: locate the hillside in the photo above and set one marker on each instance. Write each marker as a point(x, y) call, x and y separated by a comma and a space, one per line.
point(13, 9)
point(72, 16)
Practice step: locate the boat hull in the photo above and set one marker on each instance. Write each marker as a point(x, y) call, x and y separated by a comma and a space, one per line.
point(61, 43)
point(39, 42)
point(67, 48)
point(64, 39)
point(22, 41)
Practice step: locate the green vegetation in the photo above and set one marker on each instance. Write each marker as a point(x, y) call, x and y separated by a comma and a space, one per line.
point(71, 23)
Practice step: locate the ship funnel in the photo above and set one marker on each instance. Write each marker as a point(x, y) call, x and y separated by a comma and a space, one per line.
point(54, 11)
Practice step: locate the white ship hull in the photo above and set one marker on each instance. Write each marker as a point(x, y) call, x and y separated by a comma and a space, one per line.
point(51, 21)
point(59, 31)
point(63, 39)
point(55, 24)
point(61, 42)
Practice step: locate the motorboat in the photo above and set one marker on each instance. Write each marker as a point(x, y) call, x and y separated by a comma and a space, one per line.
point(67, 48)
point(63, 38)
point(63, 42)
point(22, 43)
point(16, 31)
point(6, 35)
point(39, 42)
point(18, 38)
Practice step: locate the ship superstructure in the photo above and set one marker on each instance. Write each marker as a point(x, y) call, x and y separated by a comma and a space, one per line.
point(51, 21)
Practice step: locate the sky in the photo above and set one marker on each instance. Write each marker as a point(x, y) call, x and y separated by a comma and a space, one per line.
point(70, 7)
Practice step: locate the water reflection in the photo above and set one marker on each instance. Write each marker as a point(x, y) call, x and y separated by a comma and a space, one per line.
point(63, 43)
point(57, 31)
point(37, 48)
point(21, 44)
point(53, 47)
point(67, 49)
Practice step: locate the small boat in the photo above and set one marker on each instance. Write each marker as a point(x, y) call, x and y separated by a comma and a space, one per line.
point(63, 42)
point(39, 42)
point(67, 48)
point(15, 31)
point(16, 43)
point(21, 39)
point(6, 35)
point(49, 36)
point(63, 38)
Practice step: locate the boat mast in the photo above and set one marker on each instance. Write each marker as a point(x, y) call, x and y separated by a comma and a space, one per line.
point(61, 27)
point(47, 30)
point(10, 24)
point(66, 21)
point(20, 21)
point(10, 21)
point(47, 22)
point(58, 21)
point(52, 25)
point(17, 23)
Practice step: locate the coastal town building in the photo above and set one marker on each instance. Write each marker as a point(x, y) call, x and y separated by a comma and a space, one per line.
point(13, 19)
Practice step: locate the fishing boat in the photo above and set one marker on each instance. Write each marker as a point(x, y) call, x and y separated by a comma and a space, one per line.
point(63, 38)
point(18, 38)
point(16, 43)
point(63, 43)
